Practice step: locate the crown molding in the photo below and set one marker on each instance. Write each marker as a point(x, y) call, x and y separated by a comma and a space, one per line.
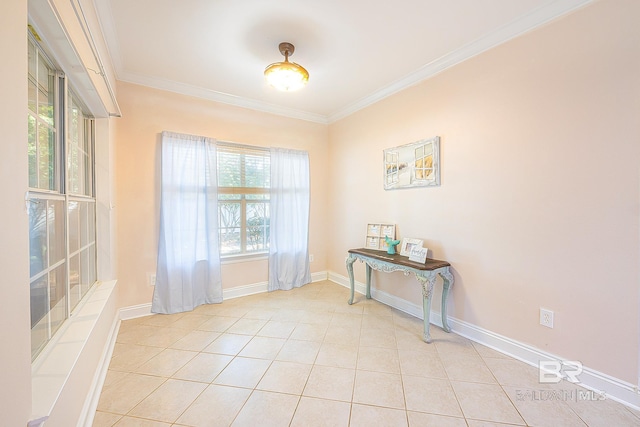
point(224, 98)
point(516, 28)
point(502, 35)
point(107, 27)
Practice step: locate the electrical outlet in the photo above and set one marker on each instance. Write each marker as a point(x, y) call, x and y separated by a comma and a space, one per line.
point(311, 258)
point(546, 317)
point(151, 279)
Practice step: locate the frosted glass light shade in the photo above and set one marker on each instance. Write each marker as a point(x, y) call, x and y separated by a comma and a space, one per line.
point(286, 76)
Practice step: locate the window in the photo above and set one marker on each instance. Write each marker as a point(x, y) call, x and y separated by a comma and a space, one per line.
point(243, 199)
point(61, 203)
point(43, 154)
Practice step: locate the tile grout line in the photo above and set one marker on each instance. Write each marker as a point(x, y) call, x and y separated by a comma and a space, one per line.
point(308, 297)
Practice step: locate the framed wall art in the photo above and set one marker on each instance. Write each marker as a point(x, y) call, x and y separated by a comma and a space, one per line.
point(412, 165)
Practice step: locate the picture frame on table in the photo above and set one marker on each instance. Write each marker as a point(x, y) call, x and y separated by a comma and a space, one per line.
point(418, 254)
point(376, 233)
point(408, 244)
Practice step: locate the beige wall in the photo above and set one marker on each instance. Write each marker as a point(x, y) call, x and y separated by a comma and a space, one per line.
point(146, 113)
point(15, 357)
point(539, 202)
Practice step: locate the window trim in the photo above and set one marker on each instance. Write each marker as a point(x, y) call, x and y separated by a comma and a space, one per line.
point(63, 94)
point(239, 258)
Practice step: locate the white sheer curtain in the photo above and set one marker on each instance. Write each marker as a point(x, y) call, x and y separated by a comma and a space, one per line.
point(289, 222)
point(188, 272)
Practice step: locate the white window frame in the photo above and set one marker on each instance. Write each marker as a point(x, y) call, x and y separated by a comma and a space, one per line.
point(60, 192)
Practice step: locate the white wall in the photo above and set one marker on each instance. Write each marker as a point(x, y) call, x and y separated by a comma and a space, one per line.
point(539, 202)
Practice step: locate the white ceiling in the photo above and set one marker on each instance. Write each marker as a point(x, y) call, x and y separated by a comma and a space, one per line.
point(356, 51)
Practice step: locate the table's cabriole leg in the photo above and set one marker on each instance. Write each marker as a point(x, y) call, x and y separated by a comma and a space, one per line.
point(350, 260)
point(447, 281)
point(368, 272)
point(427, 290)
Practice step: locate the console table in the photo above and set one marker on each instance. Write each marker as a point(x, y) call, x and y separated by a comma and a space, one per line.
point(425, 274)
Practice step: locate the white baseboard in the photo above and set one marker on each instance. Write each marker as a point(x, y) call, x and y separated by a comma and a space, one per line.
point(257, 288)
point(385, 298)
point(319, 276)
point(243, 291)
point(239, 291)
point(91, 402)
point(135, 311)
point(614, 388)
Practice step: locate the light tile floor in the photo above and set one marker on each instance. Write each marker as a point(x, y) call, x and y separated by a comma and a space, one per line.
point(307, 358)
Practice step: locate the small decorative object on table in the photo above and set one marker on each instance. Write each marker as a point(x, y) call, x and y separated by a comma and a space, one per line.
point(391, 245)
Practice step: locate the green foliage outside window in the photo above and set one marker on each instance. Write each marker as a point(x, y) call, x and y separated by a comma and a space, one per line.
point(243, 200)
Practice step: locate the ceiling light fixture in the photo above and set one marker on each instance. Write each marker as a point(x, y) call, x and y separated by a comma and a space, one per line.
point(286, 76)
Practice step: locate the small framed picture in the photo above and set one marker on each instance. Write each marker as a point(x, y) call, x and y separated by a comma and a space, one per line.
point(389, 230)
point(376, 233)
point(408, 244)
point(418, 254)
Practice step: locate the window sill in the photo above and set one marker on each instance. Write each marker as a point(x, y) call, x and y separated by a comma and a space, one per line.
point(52, 369)
point(233, 259)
